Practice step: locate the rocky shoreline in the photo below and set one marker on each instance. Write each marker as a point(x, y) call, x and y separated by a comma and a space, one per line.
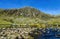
point(15, 33)
point(28, 33)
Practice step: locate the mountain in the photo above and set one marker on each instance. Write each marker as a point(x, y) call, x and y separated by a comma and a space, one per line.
point(25, 12)
point(27, 15)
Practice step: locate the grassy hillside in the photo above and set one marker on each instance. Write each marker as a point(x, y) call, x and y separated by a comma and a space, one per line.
point(25, 12)
point(26, 15)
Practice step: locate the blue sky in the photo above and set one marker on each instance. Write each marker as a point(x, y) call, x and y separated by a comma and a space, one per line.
point(47, 6)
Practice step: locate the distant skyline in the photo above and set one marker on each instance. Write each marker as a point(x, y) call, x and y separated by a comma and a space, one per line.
point(47, 6)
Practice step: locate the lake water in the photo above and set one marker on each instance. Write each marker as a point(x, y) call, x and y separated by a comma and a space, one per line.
point(51, 37)
point(49, 34)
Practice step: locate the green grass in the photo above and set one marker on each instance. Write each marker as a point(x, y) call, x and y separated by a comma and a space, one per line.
point(26, 21)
